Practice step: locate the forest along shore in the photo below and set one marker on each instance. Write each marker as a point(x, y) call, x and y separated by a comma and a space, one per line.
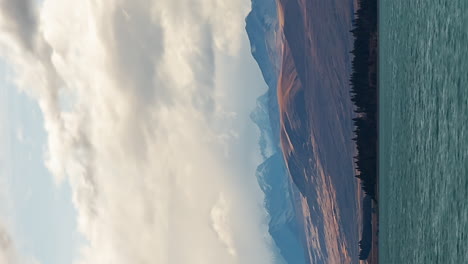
point(364, 95)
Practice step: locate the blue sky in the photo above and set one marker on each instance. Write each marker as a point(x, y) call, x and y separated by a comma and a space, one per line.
point(43, 217)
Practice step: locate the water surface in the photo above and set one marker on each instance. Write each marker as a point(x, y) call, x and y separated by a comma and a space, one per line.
point(423, 131)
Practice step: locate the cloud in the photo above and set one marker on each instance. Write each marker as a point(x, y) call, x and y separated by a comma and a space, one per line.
point(220, 223)
point(19, 19)
point(8, 249)
point(146, 110)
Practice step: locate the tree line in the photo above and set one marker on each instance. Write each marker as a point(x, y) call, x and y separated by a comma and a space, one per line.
point(364, 94)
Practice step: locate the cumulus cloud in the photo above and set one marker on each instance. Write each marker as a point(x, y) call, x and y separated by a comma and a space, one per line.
point(143, 107)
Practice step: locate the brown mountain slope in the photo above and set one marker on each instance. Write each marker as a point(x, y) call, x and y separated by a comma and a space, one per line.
point(316, 129)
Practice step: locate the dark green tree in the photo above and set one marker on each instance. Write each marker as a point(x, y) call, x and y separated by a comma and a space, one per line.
point(364, 92)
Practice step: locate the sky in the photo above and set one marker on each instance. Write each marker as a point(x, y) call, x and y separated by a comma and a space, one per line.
point(126, 135)
point(32, 194)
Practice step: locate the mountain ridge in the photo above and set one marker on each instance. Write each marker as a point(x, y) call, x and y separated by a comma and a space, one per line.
point(272, 175)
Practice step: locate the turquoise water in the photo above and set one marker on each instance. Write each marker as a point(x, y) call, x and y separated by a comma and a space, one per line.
point(423, 131)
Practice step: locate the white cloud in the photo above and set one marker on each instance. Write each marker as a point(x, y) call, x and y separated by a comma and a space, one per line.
point(8, 249)
point(220, 222)
point(156, 143)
